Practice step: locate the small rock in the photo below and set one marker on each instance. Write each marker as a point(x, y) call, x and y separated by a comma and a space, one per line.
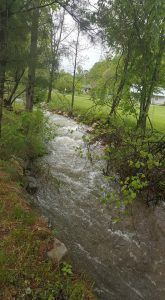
point(27, 172)
point(31, 185)
point(90, 130)
point(28, 291)
point(94, 125)
point(58, 252)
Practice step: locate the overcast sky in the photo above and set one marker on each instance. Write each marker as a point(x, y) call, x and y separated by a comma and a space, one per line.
point(87, 58)
point(88, 55)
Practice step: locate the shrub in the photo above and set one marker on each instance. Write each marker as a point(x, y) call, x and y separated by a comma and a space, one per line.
point(24, 135)
point(40, 95)
point(139, 161)
point(59, 102)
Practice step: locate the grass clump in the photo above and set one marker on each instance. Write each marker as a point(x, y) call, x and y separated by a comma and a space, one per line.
point(25, 270)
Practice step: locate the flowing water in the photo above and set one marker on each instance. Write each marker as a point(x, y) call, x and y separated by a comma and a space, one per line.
point(121, 265)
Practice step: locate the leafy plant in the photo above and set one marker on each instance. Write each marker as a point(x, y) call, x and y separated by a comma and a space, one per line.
point(67, 269)
point(139, 161)
point(25, 135)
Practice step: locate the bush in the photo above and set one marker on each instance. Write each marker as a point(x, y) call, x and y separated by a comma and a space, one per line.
point(24, 135)
point(59, 102)
point(40, 95)
point(139, 161)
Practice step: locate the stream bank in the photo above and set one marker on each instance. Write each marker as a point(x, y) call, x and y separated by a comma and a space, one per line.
point(28, 251)
point(126, 260)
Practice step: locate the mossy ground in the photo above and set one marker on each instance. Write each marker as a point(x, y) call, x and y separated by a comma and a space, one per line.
point(25, 270)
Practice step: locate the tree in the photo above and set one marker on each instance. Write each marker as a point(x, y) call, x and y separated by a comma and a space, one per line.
point(55, 43)
point(11, 65)
point(136, 32)
point(151, 49)
point(4, 15)
point(101, 78)
point(17, 78)
point(64, 82)
point(32, 58)
point(17, 55)
point(75, 67)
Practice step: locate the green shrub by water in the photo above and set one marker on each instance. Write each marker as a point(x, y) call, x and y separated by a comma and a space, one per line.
point(24, 135)
point(59, 102)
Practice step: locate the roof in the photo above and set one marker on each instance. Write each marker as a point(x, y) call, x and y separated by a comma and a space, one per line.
point(87, 86)
point(160, 92)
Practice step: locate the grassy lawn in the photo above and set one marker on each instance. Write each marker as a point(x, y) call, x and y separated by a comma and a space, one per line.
point(157, 115)
point(84, 106)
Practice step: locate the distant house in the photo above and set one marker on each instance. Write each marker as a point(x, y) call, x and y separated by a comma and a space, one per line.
point(158, 98)
point(86, 88)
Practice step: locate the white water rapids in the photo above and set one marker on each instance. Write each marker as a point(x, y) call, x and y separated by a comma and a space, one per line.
point(109, 254)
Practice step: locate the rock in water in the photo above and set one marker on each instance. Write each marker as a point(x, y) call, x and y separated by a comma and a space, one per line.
point(58, 252)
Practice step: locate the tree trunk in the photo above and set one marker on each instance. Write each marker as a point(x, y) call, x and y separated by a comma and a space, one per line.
point(54, 49)
point(117, 98)
point(3, 48)
point(18, 77)
point(32, 59)
point(74, 72)
point(18, 95)
point(141, 123)
point(146, 95)
point(2, 80)
point(50, 87)
point(51, 79)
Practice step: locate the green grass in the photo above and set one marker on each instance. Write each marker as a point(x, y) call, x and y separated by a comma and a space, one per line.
point(85, 107)
point(157, 115)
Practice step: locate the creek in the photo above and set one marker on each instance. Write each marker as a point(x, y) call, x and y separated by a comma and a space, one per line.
point(124, 260)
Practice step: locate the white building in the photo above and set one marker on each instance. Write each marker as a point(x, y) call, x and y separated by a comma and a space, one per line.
point(158, 98)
